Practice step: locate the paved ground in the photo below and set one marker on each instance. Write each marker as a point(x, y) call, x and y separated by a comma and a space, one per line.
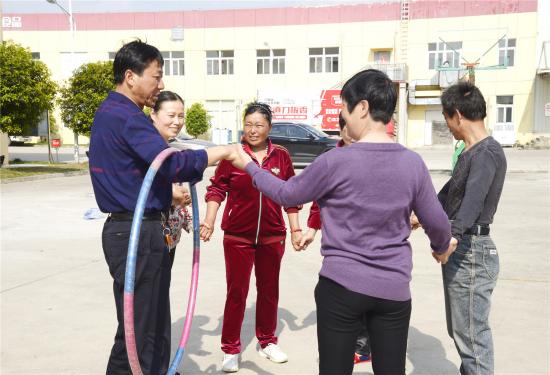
point(57, 314)
point(437, 157)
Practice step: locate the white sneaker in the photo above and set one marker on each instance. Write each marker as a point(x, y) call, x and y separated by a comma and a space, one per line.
point(230, 363)
point(273, 353)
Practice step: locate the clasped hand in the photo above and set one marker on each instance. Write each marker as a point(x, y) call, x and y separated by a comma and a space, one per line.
point(444, 258)
point(238, 157)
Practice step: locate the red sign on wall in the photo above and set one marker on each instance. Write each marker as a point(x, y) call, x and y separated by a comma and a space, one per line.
point(56, 143)
point(289, 112)
point(331, 104)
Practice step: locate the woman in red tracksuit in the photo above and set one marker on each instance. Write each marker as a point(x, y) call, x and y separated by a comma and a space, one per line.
point(254, 235)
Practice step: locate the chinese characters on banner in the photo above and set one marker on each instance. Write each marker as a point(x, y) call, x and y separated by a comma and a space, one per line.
point(317, 108)
point(289, 112)
point(331, 104)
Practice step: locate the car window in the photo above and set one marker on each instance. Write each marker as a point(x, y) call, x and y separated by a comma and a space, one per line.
point(297, 132)
point(317, 132)
point(278, 131)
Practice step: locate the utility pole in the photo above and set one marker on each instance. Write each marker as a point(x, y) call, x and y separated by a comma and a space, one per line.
point(72, 29)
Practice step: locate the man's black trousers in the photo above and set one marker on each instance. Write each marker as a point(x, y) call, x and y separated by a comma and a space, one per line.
point(151, 296)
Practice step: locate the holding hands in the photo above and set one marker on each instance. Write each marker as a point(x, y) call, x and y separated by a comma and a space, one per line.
point(238, 157)
point(206, 230)
point(301, 241)
point(443, 258)
point(415, 224)
point(440, 258)
point(307, 238)
point(295, 238)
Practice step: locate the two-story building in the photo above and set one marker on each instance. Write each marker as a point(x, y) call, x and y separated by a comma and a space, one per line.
point(297, 58)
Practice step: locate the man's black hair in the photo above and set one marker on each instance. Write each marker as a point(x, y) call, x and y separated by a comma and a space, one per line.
point(135, 56)
point(467, 99)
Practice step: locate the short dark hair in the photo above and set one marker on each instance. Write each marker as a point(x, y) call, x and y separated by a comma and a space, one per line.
point(376, 88)
point(341, 121)
point(263, 108)
point(166, 96)
point(136, 56)
point(465, 97)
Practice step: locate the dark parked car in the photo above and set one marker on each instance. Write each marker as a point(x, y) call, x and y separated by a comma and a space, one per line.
point(303, 142)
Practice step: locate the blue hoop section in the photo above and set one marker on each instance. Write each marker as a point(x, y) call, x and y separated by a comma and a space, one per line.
point(129, 279)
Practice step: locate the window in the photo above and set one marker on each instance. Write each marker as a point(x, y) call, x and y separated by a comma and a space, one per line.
point(297, 132)
point(270, 61)
point(219, 62)
point(506, 51)
point(278, 131)
point(71, 61)
point(35, 55)
point(324, 60)
point(382, 57)
point(173, 63)
point(443, 54)
point(505, 105)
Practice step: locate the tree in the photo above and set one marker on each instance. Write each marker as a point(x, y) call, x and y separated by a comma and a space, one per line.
point(83, 93)
point(26, 89)
point(197, 120)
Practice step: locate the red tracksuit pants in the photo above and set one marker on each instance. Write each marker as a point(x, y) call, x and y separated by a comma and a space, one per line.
point(240, 257)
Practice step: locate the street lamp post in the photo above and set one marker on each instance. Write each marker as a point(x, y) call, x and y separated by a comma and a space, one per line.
point(72, 29)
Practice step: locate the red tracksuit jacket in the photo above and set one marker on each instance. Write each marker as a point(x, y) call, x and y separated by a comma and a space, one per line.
point(250, 215)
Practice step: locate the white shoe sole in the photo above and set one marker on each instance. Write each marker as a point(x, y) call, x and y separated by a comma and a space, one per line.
point(264, 355)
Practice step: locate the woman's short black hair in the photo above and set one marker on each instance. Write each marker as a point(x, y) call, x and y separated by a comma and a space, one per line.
point(135, 56)
point(166, 96)
point(465, 97)
point(376, 88)
point(263, 108)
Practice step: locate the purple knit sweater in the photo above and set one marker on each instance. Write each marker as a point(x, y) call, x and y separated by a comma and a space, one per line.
point(366, 193)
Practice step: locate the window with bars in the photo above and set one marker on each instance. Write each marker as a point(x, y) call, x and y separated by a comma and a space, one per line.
point(270, 61)
point(35, 55)
point(506, 51)
point(219, 62)
point(444, 54)
point(174, 63)
point(324, 60)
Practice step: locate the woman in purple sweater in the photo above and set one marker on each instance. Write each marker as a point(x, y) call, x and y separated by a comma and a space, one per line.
point(365, 210)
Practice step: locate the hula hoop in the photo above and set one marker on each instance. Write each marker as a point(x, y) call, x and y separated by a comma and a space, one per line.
point(129, 279)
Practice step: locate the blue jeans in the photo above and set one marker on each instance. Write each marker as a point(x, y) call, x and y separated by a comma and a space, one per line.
point(469, 278)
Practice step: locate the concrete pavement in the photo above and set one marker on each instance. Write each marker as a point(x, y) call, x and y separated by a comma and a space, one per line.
point(57, 314)
point(437, 158)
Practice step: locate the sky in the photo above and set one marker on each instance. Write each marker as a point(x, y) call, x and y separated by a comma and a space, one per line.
point(91, 6)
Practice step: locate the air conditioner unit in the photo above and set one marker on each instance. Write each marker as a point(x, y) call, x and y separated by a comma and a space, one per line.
point(176, 33)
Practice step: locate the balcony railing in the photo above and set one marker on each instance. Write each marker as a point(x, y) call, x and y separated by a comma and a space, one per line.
point(397, 72)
